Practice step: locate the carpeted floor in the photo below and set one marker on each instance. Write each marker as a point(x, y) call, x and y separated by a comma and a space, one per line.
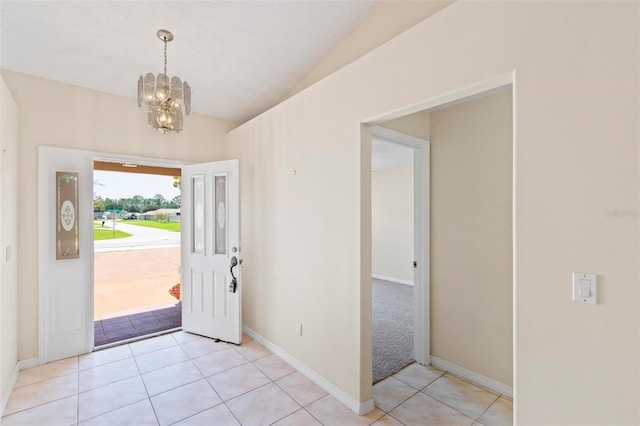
point(392, 327)
point(126, 327)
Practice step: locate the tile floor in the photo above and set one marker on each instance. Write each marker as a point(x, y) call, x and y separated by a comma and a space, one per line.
point(184, 379)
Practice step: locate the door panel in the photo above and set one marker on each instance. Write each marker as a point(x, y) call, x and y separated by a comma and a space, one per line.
point(66, 284)
point(210, 240)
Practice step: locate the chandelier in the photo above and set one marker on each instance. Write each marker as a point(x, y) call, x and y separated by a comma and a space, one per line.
point(164, 99)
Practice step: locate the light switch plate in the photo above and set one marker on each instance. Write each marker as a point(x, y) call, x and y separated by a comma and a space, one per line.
point(585, 288)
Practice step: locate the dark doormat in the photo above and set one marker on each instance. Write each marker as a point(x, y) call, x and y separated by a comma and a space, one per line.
point(129, 326)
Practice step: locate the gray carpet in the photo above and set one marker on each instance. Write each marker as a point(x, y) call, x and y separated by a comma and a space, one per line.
point(392, 328)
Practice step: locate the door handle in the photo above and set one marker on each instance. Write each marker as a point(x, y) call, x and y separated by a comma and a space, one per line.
point(234, 281)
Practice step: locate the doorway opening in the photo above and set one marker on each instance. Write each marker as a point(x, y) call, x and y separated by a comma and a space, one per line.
point(468, 258)
point(136, 231)
point(393, 254)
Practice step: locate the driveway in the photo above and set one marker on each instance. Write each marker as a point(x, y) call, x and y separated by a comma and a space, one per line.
point(134, 274)
point(141, 237)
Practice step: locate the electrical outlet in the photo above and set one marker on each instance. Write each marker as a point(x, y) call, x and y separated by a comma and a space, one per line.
point(299, 329)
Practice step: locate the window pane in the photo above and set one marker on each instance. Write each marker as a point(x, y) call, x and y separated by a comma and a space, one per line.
point(221, 215)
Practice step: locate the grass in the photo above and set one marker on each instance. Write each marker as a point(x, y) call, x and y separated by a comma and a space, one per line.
point(168, 226)
point(108, 234)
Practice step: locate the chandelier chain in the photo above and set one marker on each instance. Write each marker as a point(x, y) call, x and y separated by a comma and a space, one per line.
point(165, 57)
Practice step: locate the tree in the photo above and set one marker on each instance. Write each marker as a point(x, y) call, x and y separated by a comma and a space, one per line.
point(159, 200)
point(176, 181)
point(98, 204)
point(174, 203)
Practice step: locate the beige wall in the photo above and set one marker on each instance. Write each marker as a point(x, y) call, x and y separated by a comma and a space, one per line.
point(471, 236)
point(576, 156)
point(392, 223)
point(61, 115)
point(387, 20)
point(8, 238)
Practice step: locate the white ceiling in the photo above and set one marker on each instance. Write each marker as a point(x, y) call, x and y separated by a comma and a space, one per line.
point(387, 155)
point(240, 57)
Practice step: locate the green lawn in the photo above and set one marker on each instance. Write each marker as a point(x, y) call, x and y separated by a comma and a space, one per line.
point(169, 226)
point(108, 234)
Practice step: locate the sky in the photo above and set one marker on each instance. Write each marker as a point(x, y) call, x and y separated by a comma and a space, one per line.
point(125, 185)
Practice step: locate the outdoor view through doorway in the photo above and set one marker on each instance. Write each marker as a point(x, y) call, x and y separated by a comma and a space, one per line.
point(136, 251)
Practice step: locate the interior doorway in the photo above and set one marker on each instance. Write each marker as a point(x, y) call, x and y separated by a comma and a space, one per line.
point(470, 254)
point(399, 217)
point(136, 230)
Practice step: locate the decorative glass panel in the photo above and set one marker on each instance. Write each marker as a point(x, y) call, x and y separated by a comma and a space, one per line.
point(221, 215)
point(197, 183)
point(67, 242)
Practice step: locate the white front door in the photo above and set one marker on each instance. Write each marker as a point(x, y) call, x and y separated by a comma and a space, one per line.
point(211, 284)
point(65, 220)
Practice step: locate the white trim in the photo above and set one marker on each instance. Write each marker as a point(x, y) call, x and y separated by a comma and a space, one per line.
point(7, 392)
point(472, 376)
point(467, 92)
point(392, 279)
point(360, 408)
point(513, 243)
point(20, 365)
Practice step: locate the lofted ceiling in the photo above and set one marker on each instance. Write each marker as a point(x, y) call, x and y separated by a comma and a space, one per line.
point(240, 57)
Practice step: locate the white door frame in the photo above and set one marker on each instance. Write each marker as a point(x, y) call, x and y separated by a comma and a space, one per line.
point(461, 94)
point(44, 240)
point(421, 253)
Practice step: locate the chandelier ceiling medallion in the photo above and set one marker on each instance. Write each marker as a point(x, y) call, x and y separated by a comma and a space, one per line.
point(164, 99)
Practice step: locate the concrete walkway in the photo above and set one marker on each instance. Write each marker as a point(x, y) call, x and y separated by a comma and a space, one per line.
point(141, 237)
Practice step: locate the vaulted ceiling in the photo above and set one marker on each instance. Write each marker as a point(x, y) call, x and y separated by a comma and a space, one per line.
point(240, 57)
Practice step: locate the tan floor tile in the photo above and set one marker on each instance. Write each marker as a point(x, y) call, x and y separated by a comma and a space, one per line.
point(108, 373)
point(218, 416)
point(185, 401)
point(182, 337)
point(110, 397)
point(252, 350)
point(137, 414)
point(104, 356)
point(47, 371)
point(204, 346)
point(153, 344)
point(299, 418)
point(30, 396)
point(237, 381)
point(171, 377)
point(421, 410)
point(465, 397)
point(246, 338)
point(274, 366)
point(301, 388)
point(62, 412)
point(387, 420)
point(330, 411)
point(499, 414)
point(262, 406)
point(218, 362)
point(390, 392)
point(160, 358)
point(418, 376)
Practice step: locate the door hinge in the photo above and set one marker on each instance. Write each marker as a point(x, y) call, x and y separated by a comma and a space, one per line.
point(415, 264)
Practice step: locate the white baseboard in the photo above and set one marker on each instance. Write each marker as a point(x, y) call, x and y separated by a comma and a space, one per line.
point(392, 279)
point(360, 408)
point(472, 376)
point(20, 365)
